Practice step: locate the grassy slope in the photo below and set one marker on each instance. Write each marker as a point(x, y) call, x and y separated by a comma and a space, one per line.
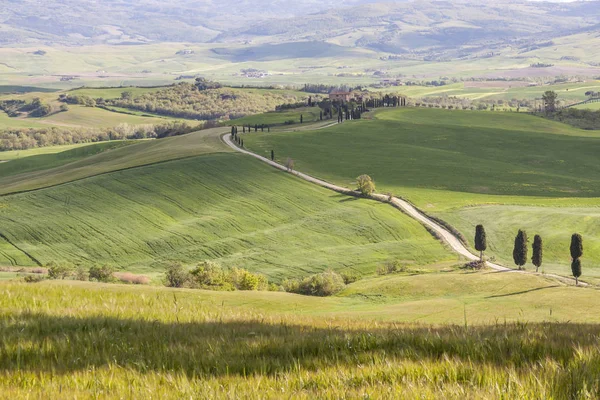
point(17, 154)
point(446, 160)
point(89, 117)
point(224, 207)
point(53, 160)
point(143, 153)
point(309, 114)
point(177, 344)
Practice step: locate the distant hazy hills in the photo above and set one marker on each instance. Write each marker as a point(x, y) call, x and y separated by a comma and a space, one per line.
point(396, 27)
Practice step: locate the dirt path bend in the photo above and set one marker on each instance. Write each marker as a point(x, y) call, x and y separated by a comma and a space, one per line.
point(452, 241)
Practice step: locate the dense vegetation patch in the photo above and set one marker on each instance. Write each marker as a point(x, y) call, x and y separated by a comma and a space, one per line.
point(186, 100)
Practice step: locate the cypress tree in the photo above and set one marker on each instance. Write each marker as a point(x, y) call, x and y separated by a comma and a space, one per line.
point(576, 246)
point(244, 128)
point(301, 118)
point(242, 142)
point(520, 249)
point(272, 155)
point(576, 270)
point(480, 241)
point(537, 257)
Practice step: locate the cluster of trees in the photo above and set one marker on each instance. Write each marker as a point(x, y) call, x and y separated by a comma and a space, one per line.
point(521, 250)
point(582, 119)
point(27, 138)
point(15, 108)
point(87, 101)
point(185, 100)
point(209, 275)
point(326, 89)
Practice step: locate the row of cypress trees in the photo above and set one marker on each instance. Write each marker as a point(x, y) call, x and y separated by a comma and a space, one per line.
point(520, 250)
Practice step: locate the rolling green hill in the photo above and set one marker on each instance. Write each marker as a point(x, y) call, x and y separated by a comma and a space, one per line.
point(204, 204)
point(528, 172)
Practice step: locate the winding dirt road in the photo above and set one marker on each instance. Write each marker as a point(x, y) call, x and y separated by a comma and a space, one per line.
point(451, 240)
point(403, 205)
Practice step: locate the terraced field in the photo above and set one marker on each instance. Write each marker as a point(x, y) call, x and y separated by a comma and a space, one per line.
point(449, 161)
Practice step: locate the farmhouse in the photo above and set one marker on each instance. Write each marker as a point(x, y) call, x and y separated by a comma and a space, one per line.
point(341, 96)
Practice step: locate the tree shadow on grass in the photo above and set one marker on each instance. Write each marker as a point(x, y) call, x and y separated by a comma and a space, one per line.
point(61, 344)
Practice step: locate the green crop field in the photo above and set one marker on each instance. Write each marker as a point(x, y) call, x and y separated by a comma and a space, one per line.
point(42, 162)
point(109, 341)
point(309, 114)
point(448, 161)
point(144, 152)
point(222, 207)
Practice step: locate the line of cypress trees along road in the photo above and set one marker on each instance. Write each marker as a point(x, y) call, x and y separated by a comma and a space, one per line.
point(520, 250)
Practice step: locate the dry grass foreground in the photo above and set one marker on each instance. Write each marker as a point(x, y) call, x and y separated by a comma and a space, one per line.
point(67, 341)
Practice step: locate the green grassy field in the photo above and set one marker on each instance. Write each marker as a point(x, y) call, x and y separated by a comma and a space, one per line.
point(17, 154)
point(139, 342)
point(449, 161)
point(309, 114)
point(144, 152)
point(42, 162)
point(222, 207)
point(89, 117)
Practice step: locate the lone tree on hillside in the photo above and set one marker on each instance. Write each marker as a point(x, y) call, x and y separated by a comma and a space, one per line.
point(480, 241)
point(576, 253)
point(520, 250)
point(538, 245)
point(272, 155)
point(576, 246)
point(365, 185)
point(576, 269)
point(549, 98)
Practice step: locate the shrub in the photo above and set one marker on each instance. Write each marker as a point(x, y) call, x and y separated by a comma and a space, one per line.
point(59, 271)
point(243, 279)
point(134, 279)
point(391, 267)
point(350, 277)
point(323, 284)
point(474, 265)
point(102, 273)
point(209, 275)
point(81, 274)
point(33, 278)
point(176, 275)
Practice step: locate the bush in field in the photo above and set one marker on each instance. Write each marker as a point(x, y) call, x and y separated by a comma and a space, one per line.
point(102, 273)
point(210, 275)
point(350, 277)
point(475, 265)
point(323, 284)
point(33, 278)
point(81, 274)
point(176, 275)
point(59, 271)
point(391, 267)
point(243, 279)
point(365, 185)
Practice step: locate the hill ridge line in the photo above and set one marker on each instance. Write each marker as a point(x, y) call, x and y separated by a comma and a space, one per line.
point(402, 205)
